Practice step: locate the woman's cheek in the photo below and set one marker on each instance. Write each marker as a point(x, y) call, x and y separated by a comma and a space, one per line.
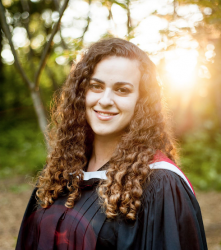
point(91, 98)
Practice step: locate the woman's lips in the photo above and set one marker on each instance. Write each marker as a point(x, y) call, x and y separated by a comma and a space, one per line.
point(104, 115)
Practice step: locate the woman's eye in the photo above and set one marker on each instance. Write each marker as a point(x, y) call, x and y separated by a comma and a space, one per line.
point(123, 90)
point(95, 86)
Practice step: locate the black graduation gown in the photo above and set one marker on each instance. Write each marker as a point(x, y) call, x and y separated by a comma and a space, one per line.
point(169, 219)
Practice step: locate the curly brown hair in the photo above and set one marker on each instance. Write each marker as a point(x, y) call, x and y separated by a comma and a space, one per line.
point(71, 137)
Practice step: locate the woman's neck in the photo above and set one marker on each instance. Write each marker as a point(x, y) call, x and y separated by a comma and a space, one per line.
point(103, 149)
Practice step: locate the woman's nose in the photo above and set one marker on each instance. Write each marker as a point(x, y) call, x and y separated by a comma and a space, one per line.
point(106, 98)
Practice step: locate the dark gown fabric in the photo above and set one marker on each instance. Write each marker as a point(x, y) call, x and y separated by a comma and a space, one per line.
point(169, 219)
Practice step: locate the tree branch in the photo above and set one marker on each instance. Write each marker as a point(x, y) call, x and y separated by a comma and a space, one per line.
point(57, 6)
point(7, 32)
point(48, 45)
point(128, 18)
point(25, 7)
point(86, 28)
point(88, 22)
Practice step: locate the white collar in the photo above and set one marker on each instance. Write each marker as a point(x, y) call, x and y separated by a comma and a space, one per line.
point(156, 165)
point(95, 174)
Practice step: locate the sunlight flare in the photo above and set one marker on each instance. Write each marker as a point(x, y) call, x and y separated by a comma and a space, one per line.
point(180, 66)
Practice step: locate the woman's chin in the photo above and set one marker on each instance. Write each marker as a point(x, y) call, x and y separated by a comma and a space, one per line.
point(107, 133)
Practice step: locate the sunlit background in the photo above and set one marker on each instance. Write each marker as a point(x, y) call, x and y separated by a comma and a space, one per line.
point(183, 39)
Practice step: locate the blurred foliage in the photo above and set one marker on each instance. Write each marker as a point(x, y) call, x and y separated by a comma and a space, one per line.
point(215, 6)
point(22, 146)
point(201, 158)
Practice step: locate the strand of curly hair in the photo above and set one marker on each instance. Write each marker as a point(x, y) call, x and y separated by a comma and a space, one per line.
point(71, 137)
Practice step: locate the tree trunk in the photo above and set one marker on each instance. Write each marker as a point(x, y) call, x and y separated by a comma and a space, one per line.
point(40, 111)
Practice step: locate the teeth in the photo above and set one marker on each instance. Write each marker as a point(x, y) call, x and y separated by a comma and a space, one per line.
point(105, 114)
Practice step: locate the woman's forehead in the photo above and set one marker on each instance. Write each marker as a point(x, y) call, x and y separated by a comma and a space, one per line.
point(116, 64)
point(117, 69)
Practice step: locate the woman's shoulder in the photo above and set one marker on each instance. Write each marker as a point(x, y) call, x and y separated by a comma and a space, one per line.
point(160, 178)
point(168, 178)
point(168, 192)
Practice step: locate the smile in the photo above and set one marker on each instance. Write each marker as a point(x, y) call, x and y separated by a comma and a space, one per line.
point(105, 116)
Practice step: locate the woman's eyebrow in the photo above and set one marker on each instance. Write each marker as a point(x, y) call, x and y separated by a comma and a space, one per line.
point(117, 83)
point(124, 83)
point(97, 80)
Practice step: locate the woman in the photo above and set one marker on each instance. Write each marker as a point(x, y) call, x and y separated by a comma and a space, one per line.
point(110, 180)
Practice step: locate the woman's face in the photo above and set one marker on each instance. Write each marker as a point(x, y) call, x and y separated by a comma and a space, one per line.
point(112, 95)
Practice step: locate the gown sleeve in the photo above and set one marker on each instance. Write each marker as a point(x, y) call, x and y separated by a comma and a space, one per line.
point(26, 234)
point(170, 218)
